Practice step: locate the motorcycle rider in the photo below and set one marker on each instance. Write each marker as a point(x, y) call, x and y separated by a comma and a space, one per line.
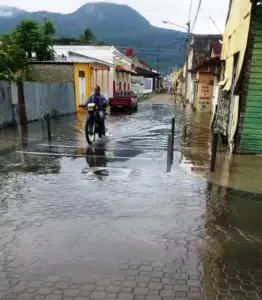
point(101, 102)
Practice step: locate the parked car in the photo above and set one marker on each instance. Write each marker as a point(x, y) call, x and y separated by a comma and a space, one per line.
point(123, 100)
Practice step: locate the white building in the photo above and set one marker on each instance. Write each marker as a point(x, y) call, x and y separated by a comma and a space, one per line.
point(119, 74)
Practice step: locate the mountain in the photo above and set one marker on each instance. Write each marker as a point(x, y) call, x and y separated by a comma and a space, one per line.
point(118, 25)
point(7, 11)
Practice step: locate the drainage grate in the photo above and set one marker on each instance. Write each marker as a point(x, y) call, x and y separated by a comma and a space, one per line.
point(108, 173)
point(102, 172)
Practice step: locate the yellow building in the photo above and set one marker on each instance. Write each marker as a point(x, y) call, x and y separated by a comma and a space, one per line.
point(89, 72)
point(85, 72)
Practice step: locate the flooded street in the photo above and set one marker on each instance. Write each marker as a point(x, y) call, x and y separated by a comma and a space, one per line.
point(108, 222)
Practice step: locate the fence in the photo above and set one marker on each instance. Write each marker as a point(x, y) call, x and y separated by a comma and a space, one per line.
point(137, 89)
point(6, 111)
point(57, 98)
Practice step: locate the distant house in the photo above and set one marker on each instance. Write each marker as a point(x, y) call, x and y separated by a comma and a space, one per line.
point(144, 80)
point(239, 113)
point(208, 90)
point(199, 80)
point(85, 72)
point(120, 65)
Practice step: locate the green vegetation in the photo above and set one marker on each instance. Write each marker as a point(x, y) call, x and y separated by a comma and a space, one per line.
point(117, 25)
point(30, 40)
point(27, 39)
point(87, 39)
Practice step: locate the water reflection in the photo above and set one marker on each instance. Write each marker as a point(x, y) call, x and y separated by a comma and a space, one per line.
point(232, 248)
point(241, 172)
point(196, 150)
point(96, 156)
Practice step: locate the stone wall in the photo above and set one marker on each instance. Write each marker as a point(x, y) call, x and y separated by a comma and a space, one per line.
point(52, 72)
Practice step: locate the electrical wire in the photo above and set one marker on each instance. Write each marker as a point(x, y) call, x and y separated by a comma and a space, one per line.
point(215, 24)
point(190, 9)
point(206, 19)
point(197, 14)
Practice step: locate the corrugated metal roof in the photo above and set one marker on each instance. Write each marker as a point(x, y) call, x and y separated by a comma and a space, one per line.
point(90, 59)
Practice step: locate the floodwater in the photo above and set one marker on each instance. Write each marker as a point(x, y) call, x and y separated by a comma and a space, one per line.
point(108, 222)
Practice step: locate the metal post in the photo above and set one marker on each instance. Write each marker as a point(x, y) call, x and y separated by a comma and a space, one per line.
point(187, 55)
point(21, 143)
point(169, 145)
point(215, 137)
point(48, 123)
point(173, 139)
point(185, 131)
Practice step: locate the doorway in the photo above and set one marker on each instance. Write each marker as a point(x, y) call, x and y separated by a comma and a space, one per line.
point(82, 87)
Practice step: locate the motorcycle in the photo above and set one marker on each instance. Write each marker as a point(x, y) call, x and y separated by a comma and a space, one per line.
point(93, 124)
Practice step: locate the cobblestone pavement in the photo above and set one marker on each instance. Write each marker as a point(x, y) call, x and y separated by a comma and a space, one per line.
point(138, 233)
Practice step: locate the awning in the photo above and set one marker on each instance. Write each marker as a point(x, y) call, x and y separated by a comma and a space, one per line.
point(123, 68)
point(146, 73)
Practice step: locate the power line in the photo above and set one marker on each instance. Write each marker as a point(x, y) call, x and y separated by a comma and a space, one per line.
point(206, 19)
point(190, 9)
point(214, 24)
point(197, 13)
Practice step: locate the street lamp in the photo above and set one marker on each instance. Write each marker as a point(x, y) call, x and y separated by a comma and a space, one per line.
point(187, 52)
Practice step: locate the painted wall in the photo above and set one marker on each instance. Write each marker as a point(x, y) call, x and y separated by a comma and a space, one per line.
point(59, 72)
point(108, 54)
point(205, 78)
point(191, 86)
point(215, 95)
point(250, 122)
point(122, 79)
point(88, 88)
point(101, 78)
point(235, 38)
point(204, 92)
point(204, 97)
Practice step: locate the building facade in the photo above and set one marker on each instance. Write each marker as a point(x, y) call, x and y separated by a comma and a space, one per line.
point(85, 72)
point(120, 70)
point(239, 112)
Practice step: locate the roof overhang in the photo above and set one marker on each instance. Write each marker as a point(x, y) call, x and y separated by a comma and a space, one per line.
point(125, 69)
point(94, 62)
point(145, 73)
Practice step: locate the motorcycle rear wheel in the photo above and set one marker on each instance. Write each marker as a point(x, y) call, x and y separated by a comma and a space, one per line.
point(90, 132)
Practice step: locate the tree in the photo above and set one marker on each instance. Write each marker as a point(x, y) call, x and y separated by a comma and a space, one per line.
point(26, 35)
point(36, 38)
point(12, 59)
point(100, 43)
point(66, 40)
point(88, 36)
point(44, 46)
point(26, 40)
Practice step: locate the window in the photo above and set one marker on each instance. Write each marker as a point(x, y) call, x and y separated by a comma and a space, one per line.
point(81, 74)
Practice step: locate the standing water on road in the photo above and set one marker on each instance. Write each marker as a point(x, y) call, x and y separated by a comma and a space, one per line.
point(138, 232)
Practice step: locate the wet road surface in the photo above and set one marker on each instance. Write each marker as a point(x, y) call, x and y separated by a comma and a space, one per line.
point(68, 232)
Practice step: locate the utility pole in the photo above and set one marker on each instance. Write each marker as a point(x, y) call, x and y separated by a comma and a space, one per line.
point(187, 55)
point(157, 63)
point(157, 59)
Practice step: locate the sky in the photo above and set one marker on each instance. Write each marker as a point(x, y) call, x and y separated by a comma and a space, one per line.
point(156, 11)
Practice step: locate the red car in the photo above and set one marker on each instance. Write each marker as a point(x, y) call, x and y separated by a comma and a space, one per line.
point(125, 100)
